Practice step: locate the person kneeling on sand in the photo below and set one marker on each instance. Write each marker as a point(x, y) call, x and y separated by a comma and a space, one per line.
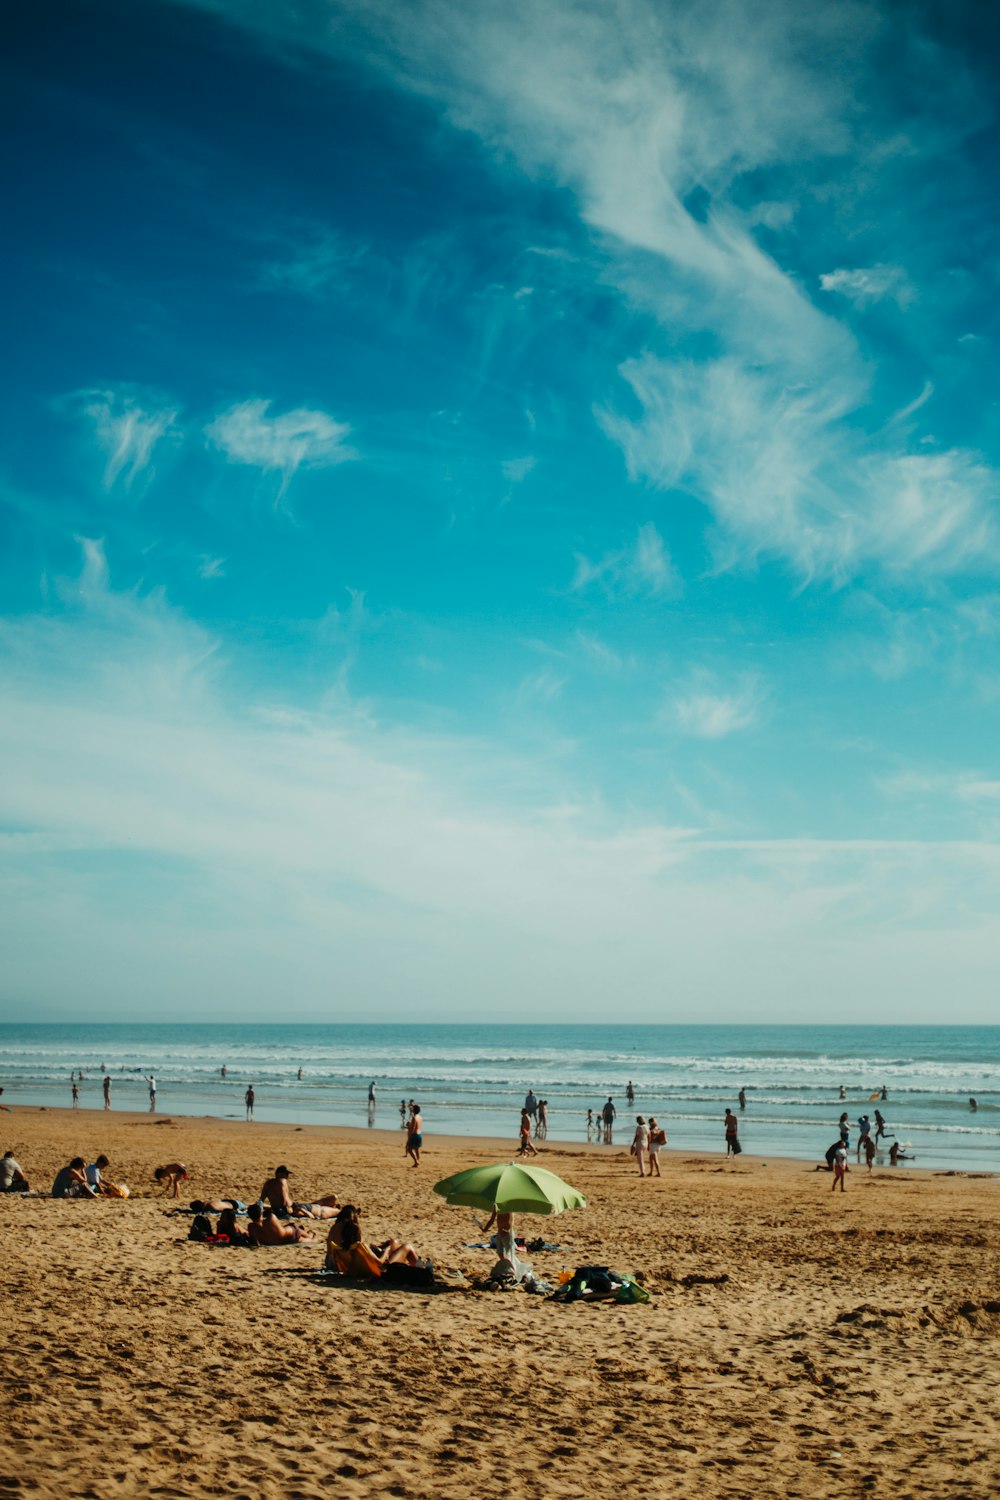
point(265, 1229)
point(71, 1181)
point(275, 1192)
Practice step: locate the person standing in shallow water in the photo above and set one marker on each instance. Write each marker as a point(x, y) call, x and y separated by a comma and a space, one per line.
point(107, 1091)
point(250, 1099)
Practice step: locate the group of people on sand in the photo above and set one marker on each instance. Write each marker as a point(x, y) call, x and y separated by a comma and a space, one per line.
point(80, 1179)
point(277, 1219)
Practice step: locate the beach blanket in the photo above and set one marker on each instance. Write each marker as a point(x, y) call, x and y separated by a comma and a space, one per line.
point(600, 1284)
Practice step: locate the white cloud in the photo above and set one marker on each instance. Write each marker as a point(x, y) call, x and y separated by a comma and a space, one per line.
point(128, 427)
point(287, 442)
point(644, 568)
point(306, 853)
point(709, 713)
point(517, 469)
point(873, 284)
point(784, 479)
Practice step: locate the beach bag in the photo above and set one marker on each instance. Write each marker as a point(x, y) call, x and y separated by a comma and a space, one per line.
point(201, 1228)
point(422, 1274)
point(659, 1138)
point(737, 1148)
point(115, 1190)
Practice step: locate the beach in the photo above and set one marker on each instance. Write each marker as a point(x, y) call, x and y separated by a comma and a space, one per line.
point(796, 1342)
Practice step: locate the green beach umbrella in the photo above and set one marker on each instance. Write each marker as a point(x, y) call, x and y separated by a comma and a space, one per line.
point(510, 1188)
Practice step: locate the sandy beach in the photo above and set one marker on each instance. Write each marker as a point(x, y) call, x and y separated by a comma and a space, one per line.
point(795, 1344)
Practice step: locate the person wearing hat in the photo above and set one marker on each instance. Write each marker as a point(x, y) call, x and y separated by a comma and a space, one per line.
point(275, 1192)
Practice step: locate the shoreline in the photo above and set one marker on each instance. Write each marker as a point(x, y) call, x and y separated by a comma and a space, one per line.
point(384, 1136)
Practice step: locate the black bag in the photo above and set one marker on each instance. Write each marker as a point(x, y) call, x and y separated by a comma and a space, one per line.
point(398, 1274)
point(737, 1148)
point(201, 1228)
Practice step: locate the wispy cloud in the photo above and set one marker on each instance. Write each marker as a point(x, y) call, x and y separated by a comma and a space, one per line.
point(783, 478)
point(128, 426)
point(643, 568)
point(246, 434)
point(517, 469)
point(709, 712)
point(313, 262)
point(865, 286)
point(283, 840)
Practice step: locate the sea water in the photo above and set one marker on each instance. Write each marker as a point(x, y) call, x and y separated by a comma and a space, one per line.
point(472, 1079)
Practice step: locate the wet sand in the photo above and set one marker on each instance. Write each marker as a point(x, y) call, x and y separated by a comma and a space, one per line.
point(797, 1343)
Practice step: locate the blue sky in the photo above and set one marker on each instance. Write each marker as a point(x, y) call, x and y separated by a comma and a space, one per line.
point(499, 511)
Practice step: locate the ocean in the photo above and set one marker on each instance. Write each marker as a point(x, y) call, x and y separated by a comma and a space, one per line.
point(472, 1079)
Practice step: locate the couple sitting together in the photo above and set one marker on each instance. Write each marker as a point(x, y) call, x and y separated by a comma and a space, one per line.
point(347, 1252)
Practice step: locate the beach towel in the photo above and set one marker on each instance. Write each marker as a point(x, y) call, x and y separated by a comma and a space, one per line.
point(600, 1284)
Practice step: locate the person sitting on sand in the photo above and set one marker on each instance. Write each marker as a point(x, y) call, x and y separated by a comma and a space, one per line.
point(347, 1252)
point(12, 1178)
point(71, 1181)
point(506, 1239)
point(275, 1192)
point(228, 1226)
point(171, 1176)
point(93, 1174)
point(265, 1229)
point(896, 1153)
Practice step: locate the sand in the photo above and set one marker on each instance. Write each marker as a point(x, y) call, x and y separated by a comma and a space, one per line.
point(796, 1343)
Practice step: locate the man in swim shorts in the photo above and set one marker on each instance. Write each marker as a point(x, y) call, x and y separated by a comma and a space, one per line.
point(414, 1135)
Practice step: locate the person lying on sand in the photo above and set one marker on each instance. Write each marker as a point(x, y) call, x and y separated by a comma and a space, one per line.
point(265, 1229)
point(214, 1205)
point(174, 1173)
point(275, 1193)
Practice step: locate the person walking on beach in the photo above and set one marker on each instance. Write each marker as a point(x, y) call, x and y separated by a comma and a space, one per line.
point(657, 1138)
point(542, 1120)
point(839, 1167)
point(640, 1143)
point(107, 1091)
point(590, 1122)
point(864, 1131)
point(526, 1148)
point(609, 1114)
point(743, 1098)
point(733, 1147)
point(152, 1093)
point(869, 1151)
point(250, 1099)
point(414, 1135)
point(845, 1130)
point(531, 1103)
point(76, 1095)
point(629, 1093)
point(371, 1094)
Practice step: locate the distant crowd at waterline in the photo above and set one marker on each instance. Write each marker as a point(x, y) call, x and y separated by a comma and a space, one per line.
point(599, 1124)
